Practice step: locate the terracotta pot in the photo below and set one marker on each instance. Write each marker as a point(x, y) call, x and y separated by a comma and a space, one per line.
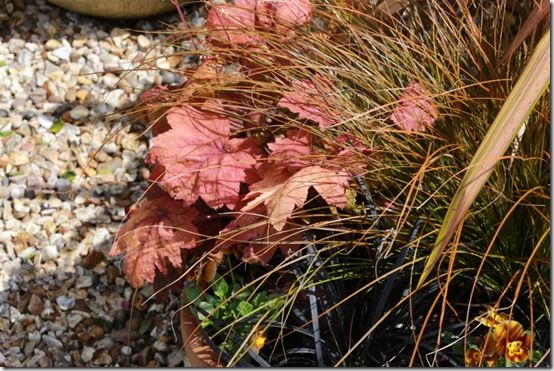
point(119, 9)
point(198, 353)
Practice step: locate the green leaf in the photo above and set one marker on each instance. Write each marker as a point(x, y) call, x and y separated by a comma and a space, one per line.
point(103, 170)
point(145, 325)
point(221, 289)
point(537, 355)
point(57, 126)
point(192, 293)
point(3, 63)
point(245, 308)
point(69, 175)
point(6, 133)
point(260, 299)
point(208, 308)
point(514, 112)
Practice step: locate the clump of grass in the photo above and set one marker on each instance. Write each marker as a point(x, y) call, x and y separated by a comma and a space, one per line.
point(351, 297)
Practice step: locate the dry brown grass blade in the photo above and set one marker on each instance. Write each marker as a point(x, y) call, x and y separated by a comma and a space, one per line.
point(392, 6)
point(514, 112)
point(541, 11)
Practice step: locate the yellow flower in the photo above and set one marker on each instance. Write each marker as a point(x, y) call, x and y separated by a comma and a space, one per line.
point(486, 351)
point(512, 340)
point(257, 341)
point(509, 339)
point(492, 318)
point(516, 351)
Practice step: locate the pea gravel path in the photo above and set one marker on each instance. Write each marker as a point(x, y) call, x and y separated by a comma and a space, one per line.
point(63, 302)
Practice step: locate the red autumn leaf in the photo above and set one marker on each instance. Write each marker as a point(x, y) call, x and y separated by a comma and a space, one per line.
point(282, 191)
point(351, 160)
point(200, 159)
point(283, 14)
point(233, 23)
point(292, 12)
point(415, 110)
point(153, 236)
point(312, 102)
point(292, 152)
point(261, 239)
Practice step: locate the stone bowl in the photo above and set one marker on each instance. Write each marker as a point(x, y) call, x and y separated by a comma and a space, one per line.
point(118, 9)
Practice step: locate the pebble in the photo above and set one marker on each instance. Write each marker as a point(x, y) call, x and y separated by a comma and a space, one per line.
point(27, 253)
point(115, 98)
point(175, 358)
point(17, 191)
point(103, 359)
point(45, 121)
point(84, 282)
point(65, 303)
point(53, 44)
point(49, 252)
point(79, 112)
point(62, 52)
point(87, 354)
point(74, 319)
point(35, 305)
point(18, 158)
point(143, 41)
point(52, 342)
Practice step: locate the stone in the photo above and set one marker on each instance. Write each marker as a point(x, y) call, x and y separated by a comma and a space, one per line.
point(103, 359)
point(53, 44)
point(17, 191)
point(65, 303)
point(87, 354)
point(62, 53)
point(35, 305)
point(49, 252)
point(175, 358)
point(18, 158)
point(27, 253)
point(74, 319)
point(84, 282)
point(109, 167)
point(130, 141)
point(115, 98)
point(52, 342)
point(45, 122)
point(79, 112)
point(83, 80)
point(81, 95)
point(143, 41)
point(160, 346)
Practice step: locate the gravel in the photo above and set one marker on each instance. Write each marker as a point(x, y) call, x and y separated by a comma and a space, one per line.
point(63, 86)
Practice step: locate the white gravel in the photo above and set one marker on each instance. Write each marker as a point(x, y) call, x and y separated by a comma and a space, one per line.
point(63, 302)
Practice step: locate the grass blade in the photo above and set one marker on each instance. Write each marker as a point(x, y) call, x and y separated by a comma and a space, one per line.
point(541, 11)
point(513, 114)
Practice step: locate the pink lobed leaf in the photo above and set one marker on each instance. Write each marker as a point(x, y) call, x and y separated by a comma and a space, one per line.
point(261, 239)
point(415, 111)
point(292, 152)
point(233, 23)
point(292, 12)
point(312, 102)
point(200, 159)
point(281, 191)
point(153, 236)
point(283, 14)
